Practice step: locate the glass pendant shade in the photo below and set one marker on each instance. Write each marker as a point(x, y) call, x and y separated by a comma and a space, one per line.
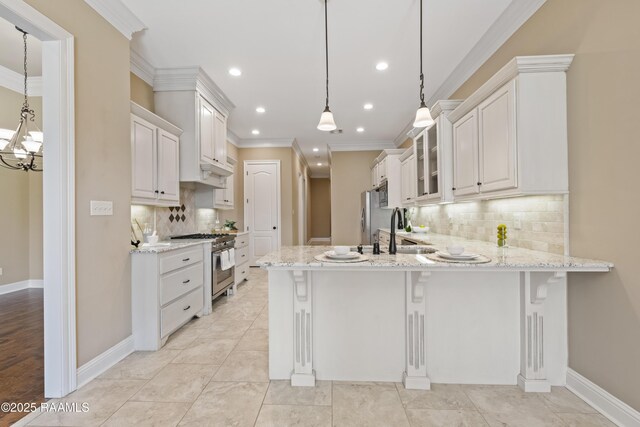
point(31, 145)
point(19, 153)
point(326, 121)
point(423, 117)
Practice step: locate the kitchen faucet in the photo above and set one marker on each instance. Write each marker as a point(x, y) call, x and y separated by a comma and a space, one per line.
point(392, 242)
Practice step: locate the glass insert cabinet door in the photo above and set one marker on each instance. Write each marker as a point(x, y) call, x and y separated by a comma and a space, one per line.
point(426, 158)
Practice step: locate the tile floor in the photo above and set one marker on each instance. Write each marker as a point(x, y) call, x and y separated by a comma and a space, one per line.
point(213, 372)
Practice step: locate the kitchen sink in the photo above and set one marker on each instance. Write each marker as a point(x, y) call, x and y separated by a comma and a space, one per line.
point(402, 249)
point(415, 249)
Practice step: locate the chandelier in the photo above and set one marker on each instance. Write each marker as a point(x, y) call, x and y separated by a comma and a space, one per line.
point(20, 149)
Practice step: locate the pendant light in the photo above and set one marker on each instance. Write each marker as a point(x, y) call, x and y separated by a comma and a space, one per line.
point(19, 148)
point(423, 115)
point(326, 119)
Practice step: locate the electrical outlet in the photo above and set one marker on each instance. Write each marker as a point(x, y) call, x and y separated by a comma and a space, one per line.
point(517, 222)
point(101, 208)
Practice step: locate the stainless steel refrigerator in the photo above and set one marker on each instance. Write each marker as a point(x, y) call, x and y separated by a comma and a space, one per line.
point(372, 217)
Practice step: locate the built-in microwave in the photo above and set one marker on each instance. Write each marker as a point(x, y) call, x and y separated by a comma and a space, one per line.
point(383, 194)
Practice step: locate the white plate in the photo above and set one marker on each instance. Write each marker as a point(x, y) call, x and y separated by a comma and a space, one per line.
point(458, 257)
point(350, 255)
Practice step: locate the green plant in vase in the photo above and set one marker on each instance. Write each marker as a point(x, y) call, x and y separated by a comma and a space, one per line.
point(230, 225)
point(502, 235)
point(407, 221)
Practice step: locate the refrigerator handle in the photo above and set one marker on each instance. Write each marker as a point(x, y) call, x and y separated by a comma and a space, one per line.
point(362, 220)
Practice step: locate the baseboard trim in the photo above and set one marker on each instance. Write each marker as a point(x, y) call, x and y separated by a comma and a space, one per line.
point(313, 240)
point(604, 402)
point(104, 361)
point(22, 285)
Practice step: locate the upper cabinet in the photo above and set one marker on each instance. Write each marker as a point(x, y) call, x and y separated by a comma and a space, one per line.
point(189, 98)
point(510, 136)
point(433, 156)
point(217, 198)
point(385, 170)
point(155, 154)
point(408, 178)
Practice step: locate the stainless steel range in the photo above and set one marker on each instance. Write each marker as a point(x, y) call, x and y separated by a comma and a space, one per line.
point(221, 280)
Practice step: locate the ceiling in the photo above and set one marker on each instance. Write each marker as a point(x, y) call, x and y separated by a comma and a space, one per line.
point(279, 46)
point(11, 50)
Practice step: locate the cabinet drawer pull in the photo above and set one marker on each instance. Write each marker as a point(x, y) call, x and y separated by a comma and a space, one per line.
point(243, 255)
point(162, 192)
point(186, 259)
point(186, 308)
point(453, 188)
point(479, 183)
point(186, 281)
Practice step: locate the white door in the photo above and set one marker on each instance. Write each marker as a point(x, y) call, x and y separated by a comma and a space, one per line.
point(262, 207)
point(143, 153)
point(207, 131)
point(497, 140)
point(168, 167)
point(465, 155)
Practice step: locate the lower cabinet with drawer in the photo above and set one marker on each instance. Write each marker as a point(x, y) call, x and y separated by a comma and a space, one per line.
point(167, 290)
point(242, 257)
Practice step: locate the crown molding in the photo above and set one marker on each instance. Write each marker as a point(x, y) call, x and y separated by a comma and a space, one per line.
point(300, 154)
point(516, 14)
point(11, 80)
point(118, 15)
point(141, 67)
point(266, 143)
point(361, 145)
point(518, 65)
point(232, 138)
point(192, 78)
point(445, 106)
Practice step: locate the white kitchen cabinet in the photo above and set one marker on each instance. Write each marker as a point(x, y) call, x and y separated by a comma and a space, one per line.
point(375, 182)
point(221, 197)
point(408, 178)
point(167, 290)
point(241, 245)
point(189, 98)
point(510, 135)
point(465, 155)
point(155, 159)
point(433, 149)
point(497, 140)
point(386, 171)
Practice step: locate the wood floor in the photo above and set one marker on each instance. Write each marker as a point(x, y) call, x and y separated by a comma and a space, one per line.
point(21, 350)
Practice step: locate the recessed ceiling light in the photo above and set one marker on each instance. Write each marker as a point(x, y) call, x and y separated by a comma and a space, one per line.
point(260, 110)
point(360, 130)
point(255, 132)
point(381, 66)
point(315, 150)
point(235, 72)
point(319, 164)
point(368, 106)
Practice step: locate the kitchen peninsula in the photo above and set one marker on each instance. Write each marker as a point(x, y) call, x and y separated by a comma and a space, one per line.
point(407, 317)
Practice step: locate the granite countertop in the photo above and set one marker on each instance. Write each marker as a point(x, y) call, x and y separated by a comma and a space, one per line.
point(171, 246)
point(509, 259)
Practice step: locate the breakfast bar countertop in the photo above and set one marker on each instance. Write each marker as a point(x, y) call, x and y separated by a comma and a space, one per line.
point(502, 259)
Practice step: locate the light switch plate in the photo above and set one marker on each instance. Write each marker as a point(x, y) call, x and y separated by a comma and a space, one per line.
point(101, 207)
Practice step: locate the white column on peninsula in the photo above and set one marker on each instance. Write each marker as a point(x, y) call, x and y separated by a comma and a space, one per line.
point(415, 375)
point(303, 374)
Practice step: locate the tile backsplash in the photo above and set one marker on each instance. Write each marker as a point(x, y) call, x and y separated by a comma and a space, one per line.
point(541, 220)
point(183, 219)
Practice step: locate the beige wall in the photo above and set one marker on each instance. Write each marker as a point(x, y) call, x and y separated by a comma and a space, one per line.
point(300, 171)
point(142, 93)
point(103, 172)
point(320, 207)
point(603, 93)
point(350, 176)
point(286, 187)
point(21, 195)
point(407, 143)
